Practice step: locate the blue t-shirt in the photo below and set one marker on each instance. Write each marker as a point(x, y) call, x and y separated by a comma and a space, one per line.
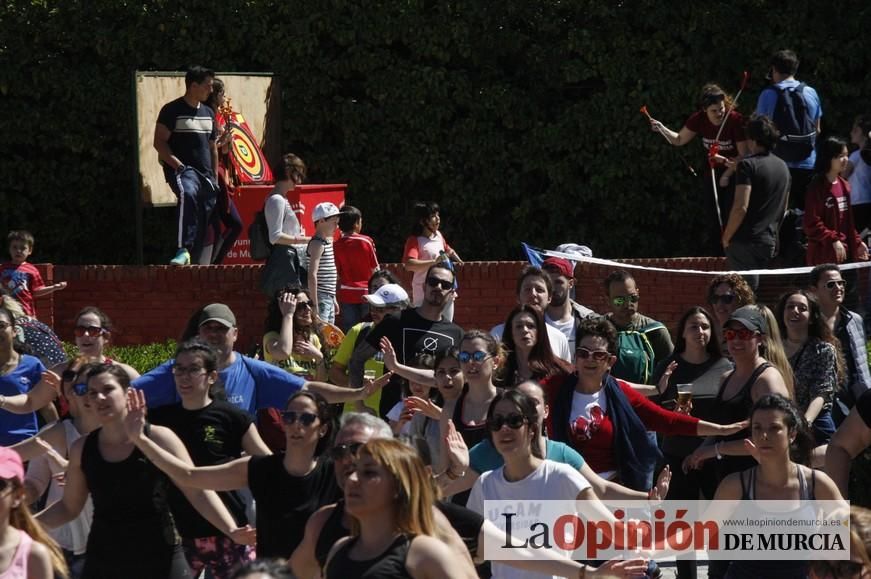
point(250, 384)
point(484, 457)
point(16, 427)
point(768, 100)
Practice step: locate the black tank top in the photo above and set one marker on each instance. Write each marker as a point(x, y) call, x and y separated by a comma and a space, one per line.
point(132, 526)
point(735, 409)
point(388, 565)
point(331, 532)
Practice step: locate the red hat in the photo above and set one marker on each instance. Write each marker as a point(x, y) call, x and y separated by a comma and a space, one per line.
point(560, 265)
point(10, 465)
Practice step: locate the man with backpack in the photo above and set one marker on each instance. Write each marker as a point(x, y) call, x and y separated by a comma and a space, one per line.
point(641, 341)
point(795, 109)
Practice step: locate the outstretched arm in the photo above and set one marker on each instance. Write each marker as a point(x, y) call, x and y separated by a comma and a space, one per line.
point(40, 395)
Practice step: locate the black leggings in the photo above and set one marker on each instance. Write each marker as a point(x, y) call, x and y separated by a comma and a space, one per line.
point(171, 565)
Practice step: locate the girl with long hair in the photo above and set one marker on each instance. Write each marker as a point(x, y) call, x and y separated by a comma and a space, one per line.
point(529, 355)
point(391, 495)
point(425, 247)
point(213, 432)
point(780, 444)
point(828, 212)
point(133, 533)
point(814, 354)
point(287, 487)
point(291, 339)
point(26, 550)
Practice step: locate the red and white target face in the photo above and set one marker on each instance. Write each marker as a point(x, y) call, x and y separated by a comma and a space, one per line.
point(246, 153)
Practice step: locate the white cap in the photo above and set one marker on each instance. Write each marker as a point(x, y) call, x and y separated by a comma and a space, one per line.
point(387, 295)
point(324, 210)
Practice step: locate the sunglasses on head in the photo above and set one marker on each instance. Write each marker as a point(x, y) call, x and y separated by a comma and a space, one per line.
point(832, 283)
point(513, 421)
point(90, 331)
point(439, 283)
point(477, 356)
point(597, 355)
point(742, 334)
point(343, 451)
point(724, 299)
point(305, 418)
point(621, 301)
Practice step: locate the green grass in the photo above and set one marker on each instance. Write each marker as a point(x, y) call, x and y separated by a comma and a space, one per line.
point(142, 358)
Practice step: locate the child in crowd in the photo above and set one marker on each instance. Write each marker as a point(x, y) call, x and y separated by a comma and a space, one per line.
point(355, 263)
point(21, 279)
point(322, 264)
point(415, 395)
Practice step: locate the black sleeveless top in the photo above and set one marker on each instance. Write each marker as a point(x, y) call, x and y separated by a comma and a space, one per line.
point(736, 409)
point(388, 565)
point(133, 532)
point(331, 532)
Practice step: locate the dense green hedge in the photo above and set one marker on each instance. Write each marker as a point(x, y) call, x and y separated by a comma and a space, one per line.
point(143, 358)
point(521, 118)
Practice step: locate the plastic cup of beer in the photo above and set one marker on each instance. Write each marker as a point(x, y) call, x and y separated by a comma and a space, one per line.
point(684, 397)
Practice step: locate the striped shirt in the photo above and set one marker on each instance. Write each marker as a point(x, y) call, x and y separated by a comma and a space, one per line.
point(327, 275)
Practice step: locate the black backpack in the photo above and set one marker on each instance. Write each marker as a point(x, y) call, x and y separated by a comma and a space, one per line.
point(258, 236)
point(797, 129)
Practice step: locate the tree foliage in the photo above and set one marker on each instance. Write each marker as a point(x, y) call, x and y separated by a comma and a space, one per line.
point(520, 118)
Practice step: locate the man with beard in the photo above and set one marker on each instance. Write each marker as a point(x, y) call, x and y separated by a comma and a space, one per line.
point(641, 341)
point(414, 331)
point(535, 288)
point(249, 384)
point(563, 313)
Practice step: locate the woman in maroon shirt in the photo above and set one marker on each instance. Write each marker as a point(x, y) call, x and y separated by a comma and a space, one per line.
point(607, 421)
point(828, 213)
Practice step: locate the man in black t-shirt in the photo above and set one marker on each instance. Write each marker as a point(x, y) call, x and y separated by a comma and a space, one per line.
point(185, 137)
point(761, 191)
point(414, 331)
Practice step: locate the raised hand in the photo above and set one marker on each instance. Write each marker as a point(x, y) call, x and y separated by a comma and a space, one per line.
point(660, 489)
point(370, 387)
point(134, 422)
point(287, 303)
point(389, 354)
point(52, 380)
point(458, 451)
point(52, 454)
point(730, 429)
point(663, 381)
point(429, 408)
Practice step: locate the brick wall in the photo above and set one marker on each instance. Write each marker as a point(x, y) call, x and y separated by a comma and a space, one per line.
point(153, 303)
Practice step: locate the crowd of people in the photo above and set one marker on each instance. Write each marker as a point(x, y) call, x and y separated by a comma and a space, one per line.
point(373, 457)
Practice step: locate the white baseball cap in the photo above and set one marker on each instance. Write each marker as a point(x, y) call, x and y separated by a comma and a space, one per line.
point(387, 295)
point(324, 210)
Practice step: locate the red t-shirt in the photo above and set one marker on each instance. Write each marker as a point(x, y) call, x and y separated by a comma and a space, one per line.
point(841, 199)
point(20, 281)
point(732, 133)
point(355, 261)
point(594, 437)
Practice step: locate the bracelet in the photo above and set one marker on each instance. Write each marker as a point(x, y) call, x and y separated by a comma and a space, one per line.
point(717, 451)
point(450, 474)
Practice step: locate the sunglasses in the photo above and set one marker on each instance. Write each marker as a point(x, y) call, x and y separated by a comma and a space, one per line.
point(80, 389)
point(90, 331)
point(343, 451)
point(597, 355)
point(4, 326)
point(68, 375)
point(303, 305)
point(477, 356)
point(513, 421)
point(305, 418)
point(724, 299)
point(621, 301)
point(5, 484)
point(439, 283)
point(742, 334)
point(831, 284)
